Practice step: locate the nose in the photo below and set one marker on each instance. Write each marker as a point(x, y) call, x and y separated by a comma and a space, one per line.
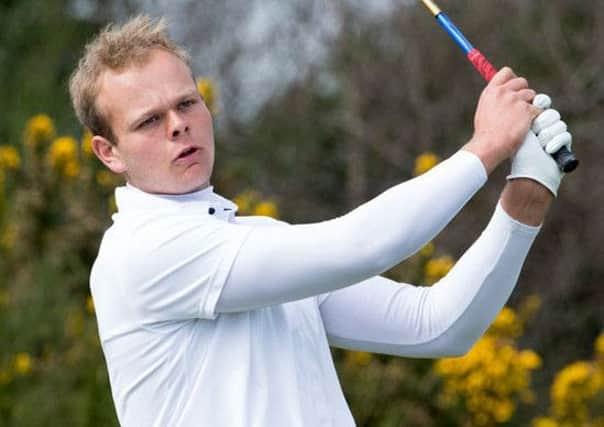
point(178, 125)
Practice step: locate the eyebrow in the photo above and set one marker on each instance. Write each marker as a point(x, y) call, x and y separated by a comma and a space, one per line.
point(152, 111)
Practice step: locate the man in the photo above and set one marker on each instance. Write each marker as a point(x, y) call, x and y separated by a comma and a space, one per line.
point(208, 319)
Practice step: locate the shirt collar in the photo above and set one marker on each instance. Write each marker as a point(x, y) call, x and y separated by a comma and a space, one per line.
point(130, 199)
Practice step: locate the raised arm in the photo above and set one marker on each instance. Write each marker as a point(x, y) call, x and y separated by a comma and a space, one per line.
point(279, 264)
point(283, 263)
point(383, 316)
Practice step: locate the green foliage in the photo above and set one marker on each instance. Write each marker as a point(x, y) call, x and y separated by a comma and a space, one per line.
point(39, 46)
point(391, 91)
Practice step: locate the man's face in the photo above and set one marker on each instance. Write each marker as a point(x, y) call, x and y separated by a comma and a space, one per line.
point(165, 139)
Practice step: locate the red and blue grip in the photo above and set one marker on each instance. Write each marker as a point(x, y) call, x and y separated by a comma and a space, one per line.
point(566, 160)
point(477, 59)
point(481, 63)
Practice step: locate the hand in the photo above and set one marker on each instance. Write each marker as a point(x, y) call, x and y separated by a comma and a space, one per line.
point(503, 116)
point(548, 134)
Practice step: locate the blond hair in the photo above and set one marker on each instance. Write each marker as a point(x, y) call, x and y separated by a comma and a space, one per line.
point(115, 48)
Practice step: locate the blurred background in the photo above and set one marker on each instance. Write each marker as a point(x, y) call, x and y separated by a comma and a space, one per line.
point(318, 106)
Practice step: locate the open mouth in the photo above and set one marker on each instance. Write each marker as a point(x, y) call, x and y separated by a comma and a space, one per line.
point(187, 152)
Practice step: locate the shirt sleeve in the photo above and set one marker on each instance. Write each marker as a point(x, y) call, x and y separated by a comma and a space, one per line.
point(277, 264)
point(383, 316)
point(179, 265)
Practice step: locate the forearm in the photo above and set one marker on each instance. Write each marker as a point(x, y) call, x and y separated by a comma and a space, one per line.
point(279, 264)
point(443, 320)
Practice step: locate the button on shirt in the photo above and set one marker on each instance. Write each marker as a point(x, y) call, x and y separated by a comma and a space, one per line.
point(172, 360)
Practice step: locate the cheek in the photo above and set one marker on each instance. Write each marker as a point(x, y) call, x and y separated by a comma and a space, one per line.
point(205, 119)
point(145, 155)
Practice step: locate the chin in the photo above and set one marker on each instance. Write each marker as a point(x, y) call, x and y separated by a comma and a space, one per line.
point(193, 186)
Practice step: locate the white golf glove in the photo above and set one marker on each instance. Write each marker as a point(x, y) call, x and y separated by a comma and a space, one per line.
point(533, 159)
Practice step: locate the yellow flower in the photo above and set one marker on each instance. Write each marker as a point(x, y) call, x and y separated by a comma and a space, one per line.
point(599, 345)
point(207, 90)
point(5, 376)
point(63, 156)
point(544, 422)
point(573, 386)
point(529, 359)
point(266, 209)
point(89, 304)
point(358, 358)
point(503, 410)
point(246, 201)
point(492, 377)
point(71, 169)
point(39, 128)
point(62, 150)
point(425, 162)
point(427, 250)
point(9, 158)
point(86, 143)
point(506, 324)
point(437, 268)
point(23, 363)
point(112, 205)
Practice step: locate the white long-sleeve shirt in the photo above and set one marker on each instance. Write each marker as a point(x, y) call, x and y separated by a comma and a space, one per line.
point(208, 319)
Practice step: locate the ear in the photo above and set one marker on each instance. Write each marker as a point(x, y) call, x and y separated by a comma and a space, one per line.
point(108, 153)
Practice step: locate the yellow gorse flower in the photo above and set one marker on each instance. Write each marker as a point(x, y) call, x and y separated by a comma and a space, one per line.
point(246, 201)
point(112, 204)
point(506, 324)
point(427, 250)
point(63, 156)
point(86, 143)
point(266, 208)
point(358, 358)
point(575, 392)
point(39, 128)
point(250, 202)
point(89, 304)
point(573, 388)
point(436, 268)
point(23, 363)
point(600, 345)
point(9, 158)
point(492, 376)
point(544, 422)
point(424, 162)
point(5, 376)
point(207, 90)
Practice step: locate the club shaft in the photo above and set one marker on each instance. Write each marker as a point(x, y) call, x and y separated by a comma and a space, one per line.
point(566, 160)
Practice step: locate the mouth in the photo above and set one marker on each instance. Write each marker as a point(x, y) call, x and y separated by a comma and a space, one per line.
point(187, 152)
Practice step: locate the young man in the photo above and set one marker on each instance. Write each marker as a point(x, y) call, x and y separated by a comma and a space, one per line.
point(210, 319)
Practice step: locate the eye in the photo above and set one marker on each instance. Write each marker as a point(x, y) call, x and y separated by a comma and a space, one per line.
point(186, 104)
point(149, 121)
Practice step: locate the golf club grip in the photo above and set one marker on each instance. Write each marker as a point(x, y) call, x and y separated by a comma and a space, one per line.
point(482, 64)
point(566, 160)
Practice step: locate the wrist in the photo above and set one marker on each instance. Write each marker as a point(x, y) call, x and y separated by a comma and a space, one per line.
point(482, 149)
point(526, 201)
